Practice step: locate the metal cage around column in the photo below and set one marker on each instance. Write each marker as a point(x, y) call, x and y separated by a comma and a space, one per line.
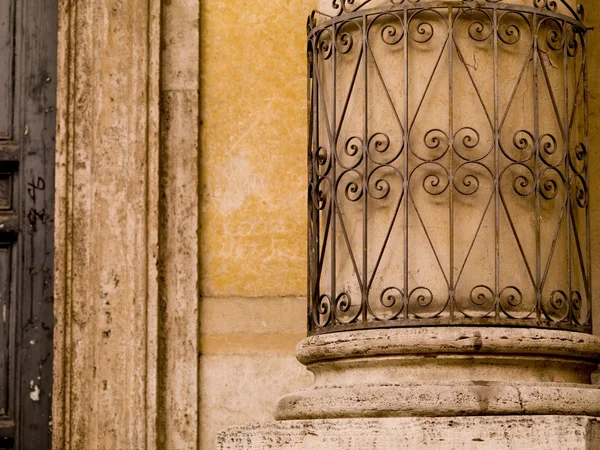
point(448, 165)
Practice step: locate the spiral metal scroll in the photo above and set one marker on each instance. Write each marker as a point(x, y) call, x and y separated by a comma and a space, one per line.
point(340, 7)
point(448, 218)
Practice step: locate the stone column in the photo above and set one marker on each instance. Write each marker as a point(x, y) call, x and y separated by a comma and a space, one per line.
point(394, 384)
point(126, 358)
point(106, 225)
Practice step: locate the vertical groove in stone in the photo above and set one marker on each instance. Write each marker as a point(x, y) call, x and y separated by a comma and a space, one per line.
point(151, 225)
point(177, 425)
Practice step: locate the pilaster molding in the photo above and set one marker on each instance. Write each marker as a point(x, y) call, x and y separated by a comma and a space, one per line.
point(178, 270)
point(107, 164)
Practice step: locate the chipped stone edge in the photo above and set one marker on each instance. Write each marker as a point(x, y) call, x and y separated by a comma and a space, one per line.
point(441, 399)
point(497, 432)
point(424, 340)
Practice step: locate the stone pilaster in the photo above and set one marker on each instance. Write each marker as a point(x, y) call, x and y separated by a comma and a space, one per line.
point(126, 310)
point(106, 225)
point(178, 356)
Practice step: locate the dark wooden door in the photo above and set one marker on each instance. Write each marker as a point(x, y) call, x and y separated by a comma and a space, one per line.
point(28, 33)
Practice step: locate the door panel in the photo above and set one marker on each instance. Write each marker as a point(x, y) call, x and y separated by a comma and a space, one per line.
point(6, 63)
point(6, 330)
point(26, 220)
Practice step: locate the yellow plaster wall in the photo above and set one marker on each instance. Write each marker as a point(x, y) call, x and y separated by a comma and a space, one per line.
point(252, 208)
point(253, 148)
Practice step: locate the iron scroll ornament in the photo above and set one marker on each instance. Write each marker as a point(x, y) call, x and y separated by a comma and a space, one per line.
point(350, 6)
point(372, 187)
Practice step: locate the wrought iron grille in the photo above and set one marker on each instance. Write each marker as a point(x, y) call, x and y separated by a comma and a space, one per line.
point(448, 165)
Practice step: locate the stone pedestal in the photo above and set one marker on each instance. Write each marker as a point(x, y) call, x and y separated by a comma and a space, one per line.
point(446, 371)
point(438, 387)
point(464, 433)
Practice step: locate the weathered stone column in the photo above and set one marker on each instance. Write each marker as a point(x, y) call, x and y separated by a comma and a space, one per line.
point(106, 225)
point(449, 289)
point(126, 357)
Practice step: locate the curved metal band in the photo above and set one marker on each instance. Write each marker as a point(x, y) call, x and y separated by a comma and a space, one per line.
point(315, 25)
point(550, 5)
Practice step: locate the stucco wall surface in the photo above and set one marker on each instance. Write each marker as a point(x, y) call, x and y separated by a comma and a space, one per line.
point(253, 148)
point(252, 208)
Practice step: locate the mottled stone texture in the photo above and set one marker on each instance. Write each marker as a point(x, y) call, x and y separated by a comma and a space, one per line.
point(126, 349)
point(446, 371)
point(106, 211)
point(178, 313)
point(462, 433)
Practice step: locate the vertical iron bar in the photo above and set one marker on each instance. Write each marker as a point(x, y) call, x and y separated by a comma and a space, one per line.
point(536, 133)
point(567, 148)
point(312, 221)
point(496, 168)
point(365, 284)
point(451, 287)
point(406, 162)
point(333, 172)
point(316, 130)
point(586, 131)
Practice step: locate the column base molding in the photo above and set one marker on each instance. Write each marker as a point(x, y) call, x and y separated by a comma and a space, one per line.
point(440, 388)
point(441, 399)
point(446, 371)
